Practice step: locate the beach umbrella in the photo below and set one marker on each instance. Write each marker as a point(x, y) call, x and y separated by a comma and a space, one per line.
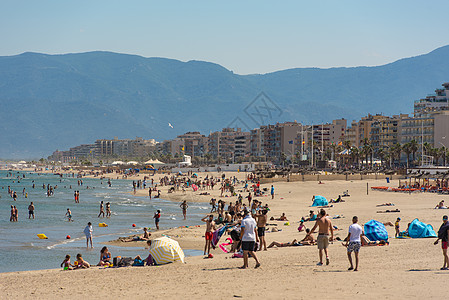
point(165, 250)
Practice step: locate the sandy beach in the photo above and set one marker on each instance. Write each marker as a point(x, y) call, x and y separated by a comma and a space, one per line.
point(407, 268)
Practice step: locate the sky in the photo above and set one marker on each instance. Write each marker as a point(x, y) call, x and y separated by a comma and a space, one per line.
point(246, 37)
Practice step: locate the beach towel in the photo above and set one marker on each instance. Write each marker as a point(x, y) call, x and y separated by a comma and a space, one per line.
point(375, 231)
point(320, 201)
point(217, 235)
point(418, 229)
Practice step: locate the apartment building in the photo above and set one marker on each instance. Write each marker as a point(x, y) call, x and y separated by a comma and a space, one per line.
point(195, 143)
point(229, 143)
point(433, 103)
point(386, 131)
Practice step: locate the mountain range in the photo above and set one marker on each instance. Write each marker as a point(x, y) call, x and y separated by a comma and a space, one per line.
point(51, 102)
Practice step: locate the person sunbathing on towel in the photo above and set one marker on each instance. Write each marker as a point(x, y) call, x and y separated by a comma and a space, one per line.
point(441, 205)
point(308, 240)
point(281, 218)
point(337, 200)
point(388, 211)
point(366, 242)
point(386, 204)
point(145, 237)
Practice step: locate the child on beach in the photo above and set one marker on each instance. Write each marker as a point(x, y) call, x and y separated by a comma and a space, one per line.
point(80, 263)
point(66, 263)
point(396, 227)
point(68, 214)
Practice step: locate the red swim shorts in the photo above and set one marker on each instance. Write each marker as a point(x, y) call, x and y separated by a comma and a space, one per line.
point(444, 245)
point(209, 236)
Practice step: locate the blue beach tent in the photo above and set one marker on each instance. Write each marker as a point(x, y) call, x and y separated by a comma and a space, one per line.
point(418, 229)
point(375, 231)
point(320, 201)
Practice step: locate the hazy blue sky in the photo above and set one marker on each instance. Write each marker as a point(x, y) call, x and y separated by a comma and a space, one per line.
point(244, 36)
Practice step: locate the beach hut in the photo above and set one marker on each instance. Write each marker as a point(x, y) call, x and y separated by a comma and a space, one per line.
point(165, 250)
point(319, 201)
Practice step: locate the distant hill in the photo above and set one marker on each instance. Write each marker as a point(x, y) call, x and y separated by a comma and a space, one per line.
point(53, 102)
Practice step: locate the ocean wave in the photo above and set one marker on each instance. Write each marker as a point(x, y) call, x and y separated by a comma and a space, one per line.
point(131, 204)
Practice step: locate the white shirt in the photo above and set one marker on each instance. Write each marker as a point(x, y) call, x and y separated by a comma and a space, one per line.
point(355, 230)
point(88, 231)
point(249, 224)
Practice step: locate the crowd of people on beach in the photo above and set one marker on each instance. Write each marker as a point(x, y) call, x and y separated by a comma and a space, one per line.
point(244, 219)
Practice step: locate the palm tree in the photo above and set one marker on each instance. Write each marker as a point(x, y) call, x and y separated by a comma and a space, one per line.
point(283, 159)
point(407, 151)
point(413, 148)
point(438, 153)
point(355, 154)
point(381, 154)
point(367, 151)
point(396, 151)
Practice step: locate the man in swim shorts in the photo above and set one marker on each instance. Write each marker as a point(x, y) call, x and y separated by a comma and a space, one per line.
point(354, 242)
point(443, 235)
point(248, 236)
point(261, 223)
point(325, 227)
point(31, 210)
point(210, 226)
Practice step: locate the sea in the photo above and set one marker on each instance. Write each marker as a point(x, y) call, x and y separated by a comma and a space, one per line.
point(22, 250)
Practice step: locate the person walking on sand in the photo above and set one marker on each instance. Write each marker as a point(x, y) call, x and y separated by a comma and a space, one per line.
point(31, 210)
point(325, 227)
point(354, 242)
point(443, 235)
point(150, 190)
point(210, 227)
point(101, 209)
point(184, 208)
point(88, 233)
point(262, 219)
point(249, 237)
point(272, 192)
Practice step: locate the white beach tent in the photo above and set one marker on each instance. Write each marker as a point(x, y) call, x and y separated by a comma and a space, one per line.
point(154, 162)
point(117, 162)
point(132, 162)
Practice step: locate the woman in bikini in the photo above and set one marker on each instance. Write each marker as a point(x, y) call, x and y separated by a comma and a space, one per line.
point(105, 257)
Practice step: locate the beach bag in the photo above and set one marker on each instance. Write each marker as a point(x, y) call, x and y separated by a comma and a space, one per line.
point(125, 262)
